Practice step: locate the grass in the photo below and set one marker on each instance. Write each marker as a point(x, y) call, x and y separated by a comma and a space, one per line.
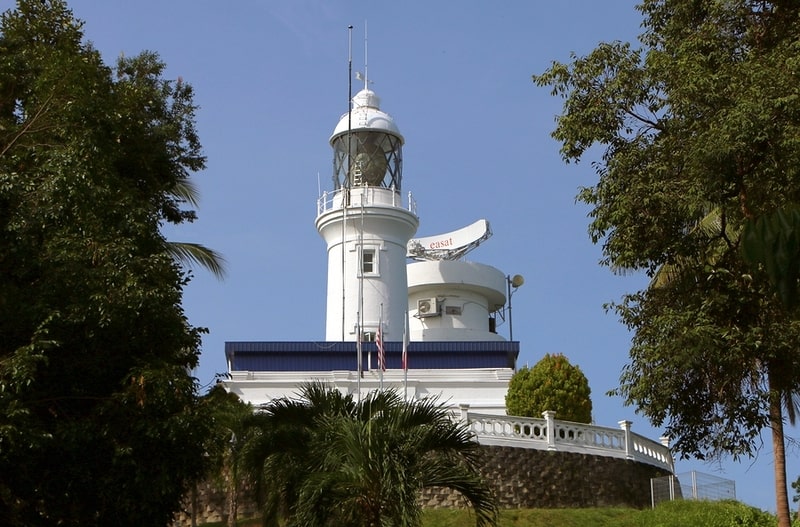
point(671, 514)
point(535, 517)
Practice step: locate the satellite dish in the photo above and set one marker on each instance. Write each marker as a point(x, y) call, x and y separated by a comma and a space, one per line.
point(517, 280)
point(450, 245)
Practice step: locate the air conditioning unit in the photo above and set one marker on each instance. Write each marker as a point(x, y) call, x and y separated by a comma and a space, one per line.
point(427, 307)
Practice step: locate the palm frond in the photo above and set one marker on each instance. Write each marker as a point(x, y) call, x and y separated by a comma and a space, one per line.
point(710, 227)
point(193, 253)
point(326, 459)
point(185, 189)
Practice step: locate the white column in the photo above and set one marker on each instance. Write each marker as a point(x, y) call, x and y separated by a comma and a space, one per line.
point(550, 417)
point(626, 427)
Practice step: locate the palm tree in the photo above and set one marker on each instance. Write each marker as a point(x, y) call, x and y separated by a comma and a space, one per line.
point(229, 417)
point(769, 243)
point(325, 459)
point(772, 242)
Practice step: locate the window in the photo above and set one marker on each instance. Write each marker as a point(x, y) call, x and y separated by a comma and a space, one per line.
point(369, 261)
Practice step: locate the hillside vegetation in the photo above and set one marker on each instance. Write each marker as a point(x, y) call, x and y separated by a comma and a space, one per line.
point(671, 514)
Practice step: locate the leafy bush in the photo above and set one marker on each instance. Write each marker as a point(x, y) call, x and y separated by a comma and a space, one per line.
point(552, 384)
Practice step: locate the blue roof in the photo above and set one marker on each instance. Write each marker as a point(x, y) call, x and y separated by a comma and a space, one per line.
point(329, 356)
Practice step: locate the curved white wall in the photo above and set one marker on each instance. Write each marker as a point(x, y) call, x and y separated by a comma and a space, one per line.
point(470, 290)
point(385, 229)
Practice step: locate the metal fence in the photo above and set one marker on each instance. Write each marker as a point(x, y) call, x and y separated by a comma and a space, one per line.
point(691, 486)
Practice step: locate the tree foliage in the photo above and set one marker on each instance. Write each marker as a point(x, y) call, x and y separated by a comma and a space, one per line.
point(551, 384)
point(326, 459)
point(226, 447)
point(99, 418)
point(699, 123)
point(772, 241)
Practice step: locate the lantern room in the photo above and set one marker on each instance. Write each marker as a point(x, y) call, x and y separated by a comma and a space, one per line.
point(367, 146)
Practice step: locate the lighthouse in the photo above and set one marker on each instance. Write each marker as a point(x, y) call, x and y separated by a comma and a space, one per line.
point(435, 312)
point(366, 222)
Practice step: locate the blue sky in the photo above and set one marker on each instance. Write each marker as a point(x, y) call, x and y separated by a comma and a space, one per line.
point(271, 80)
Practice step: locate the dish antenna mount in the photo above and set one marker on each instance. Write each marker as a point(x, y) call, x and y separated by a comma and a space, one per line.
point(450, 245)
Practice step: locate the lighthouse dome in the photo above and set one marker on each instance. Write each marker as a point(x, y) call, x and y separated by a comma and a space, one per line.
point(367, 146)
point(366, 116)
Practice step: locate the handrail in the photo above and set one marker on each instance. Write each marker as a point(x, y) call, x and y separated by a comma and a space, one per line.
point(564, 436)
point(330, 200)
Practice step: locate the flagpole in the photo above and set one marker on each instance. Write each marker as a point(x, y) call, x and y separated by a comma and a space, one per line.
point(345, 190)
point(381, 350)
point(358, 359)
point(404, 358)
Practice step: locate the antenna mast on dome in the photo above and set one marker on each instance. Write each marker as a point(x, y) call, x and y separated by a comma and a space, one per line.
point(366, 75)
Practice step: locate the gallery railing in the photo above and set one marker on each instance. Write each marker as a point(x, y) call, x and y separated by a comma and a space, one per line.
point(367, 196)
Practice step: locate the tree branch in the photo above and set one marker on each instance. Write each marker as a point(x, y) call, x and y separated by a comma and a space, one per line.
point(26, 128)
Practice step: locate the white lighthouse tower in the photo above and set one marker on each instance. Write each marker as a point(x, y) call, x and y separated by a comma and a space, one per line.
point(366, 226)
point(435, 312)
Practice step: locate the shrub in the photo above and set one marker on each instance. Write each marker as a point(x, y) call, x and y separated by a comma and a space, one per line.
point(551, 384)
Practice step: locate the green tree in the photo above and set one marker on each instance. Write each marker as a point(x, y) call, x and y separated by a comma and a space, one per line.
point(699, 123)
point(326, 459)
point(551, 384)
point(230, 424)
point(100, 422)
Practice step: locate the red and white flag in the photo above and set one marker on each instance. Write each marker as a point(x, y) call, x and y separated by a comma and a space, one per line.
point(381, 352)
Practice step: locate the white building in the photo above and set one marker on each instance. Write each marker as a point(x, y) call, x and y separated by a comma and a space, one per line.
point(438, 311)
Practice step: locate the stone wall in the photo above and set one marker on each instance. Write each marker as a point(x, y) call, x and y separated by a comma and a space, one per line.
point(209, 505)
point(520, 478)
point(533, 479)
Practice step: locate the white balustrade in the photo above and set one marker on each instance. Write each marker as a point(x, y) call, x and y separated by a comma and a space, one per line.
point(565, 436)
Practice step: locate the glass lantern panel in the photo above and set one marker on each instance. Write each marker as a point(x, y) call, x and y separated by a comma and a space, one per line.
point(367, 158)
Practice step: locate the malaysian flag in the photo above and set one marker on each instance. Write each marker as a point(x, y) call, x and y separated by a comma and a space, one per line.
point(381, 352)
